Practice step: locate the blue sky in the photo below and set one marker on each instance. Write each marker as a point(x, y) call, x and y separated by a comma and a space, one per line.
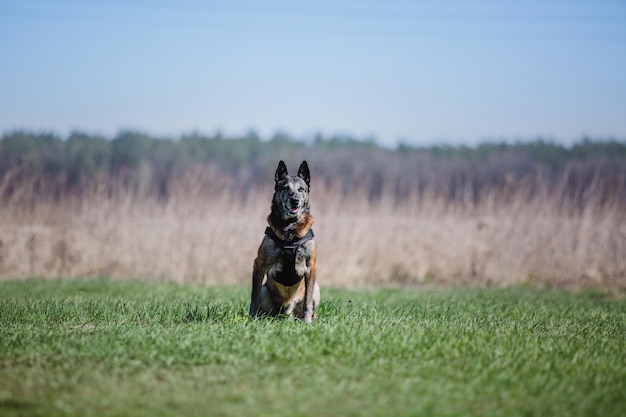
point(417, 72)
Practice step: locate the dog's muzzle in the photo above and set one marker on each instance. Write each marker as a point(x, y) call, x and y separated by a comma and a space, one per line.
point(293, 205)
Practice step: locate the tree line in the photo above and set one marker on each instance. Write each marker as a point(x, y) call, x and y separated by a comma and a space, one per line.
point(53, 167)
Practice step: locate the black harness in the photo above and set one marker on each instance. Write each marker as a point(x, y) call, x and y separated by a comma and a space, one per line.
point(288, 275)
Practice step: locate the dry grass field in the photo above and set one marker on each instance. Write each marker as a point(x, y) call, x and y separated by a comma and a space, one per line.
point(213, 239)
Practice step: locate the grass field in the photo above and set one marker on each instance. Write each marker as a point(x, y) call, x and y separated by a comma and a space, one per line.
point(117, 348)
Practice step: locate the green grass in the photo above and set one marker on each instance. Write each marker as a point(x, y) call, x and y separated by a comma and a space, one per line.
point(106, 348)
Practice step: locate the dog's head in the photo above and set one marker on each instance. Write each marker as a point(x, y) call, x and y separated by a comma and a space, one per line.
point(291, 193)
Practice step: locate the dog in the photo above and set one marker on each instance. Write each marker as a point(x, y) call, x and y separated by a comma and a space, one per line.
point(288, 252)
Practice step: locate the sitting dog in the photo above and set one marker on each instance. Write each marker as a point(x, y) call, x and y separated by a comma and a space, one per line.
point(287, 253)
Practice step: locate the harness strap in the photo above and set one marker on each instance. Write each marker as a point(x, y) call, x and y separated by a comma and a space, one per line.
point(288, 275)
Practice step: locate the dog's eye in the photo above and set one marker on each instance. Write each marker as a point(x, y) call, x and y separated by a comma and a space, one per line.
point(301, 189)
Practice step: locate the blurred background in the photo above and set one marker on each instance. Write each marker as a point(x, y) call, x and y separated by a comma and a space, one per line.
point(463, 143)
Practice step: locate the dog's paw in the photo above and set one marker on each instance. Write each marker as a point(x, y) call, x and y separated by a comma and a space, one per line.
point(307, 317)
point(254, 311)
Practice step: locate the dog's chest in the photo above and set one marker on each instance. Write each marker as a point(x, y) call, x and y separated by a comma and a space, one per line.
point(288, 265)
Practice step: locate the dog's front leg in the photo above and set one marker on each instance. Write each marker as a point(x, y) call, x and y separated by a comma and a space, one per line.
point(308, 310)
point(257, 280)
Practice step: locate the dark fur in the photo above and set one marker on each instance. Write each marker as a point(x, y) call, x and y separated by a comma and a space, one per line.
point(290, 219)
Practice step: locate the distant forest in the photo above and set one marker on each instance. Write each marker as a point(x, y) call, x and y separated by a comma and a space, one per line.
point(47, 166)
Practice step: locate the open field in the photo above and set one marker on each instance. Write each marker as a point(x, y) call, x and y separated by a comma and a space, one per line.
point(192, 210)
point(108, 348)
point(213, 240)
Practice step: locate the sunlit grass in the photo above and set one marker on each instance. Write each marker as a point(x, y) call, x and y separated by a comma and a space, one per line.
point(103, 347)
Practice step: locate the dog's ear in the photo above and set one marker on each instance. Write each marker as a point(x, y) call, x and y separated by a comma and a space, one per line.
point(281, 171)
point(303, 172)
